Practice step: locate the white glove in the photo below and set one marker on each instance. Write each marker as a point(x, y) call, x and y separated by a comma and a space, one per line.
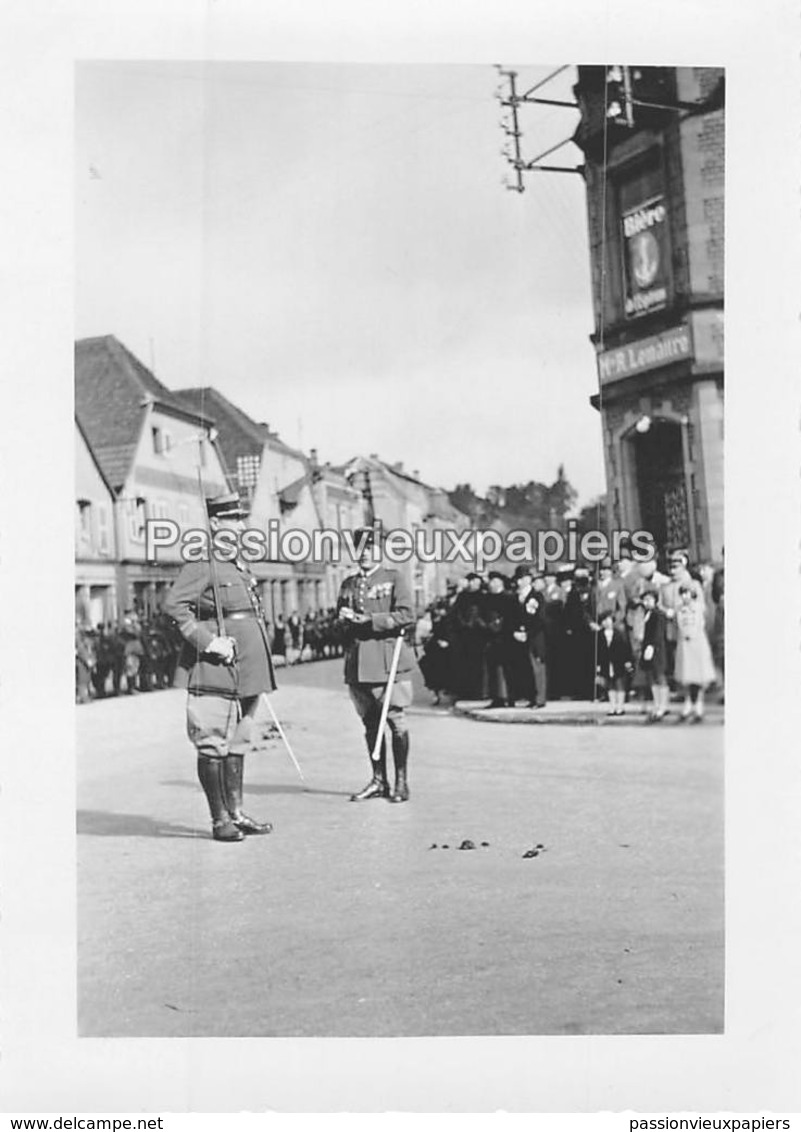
point(224, 647)
point(648, 654)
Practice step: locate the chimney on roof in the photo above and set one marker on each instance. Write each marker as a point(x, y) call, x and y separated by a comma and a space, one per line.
point(416, 474)
point(398, 467)
point(313, 457)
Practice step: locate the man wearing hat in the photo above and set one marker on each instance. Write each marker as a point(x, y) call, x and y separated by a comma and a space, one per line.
point(374, 608)
point(500, 619)
point(470, 636)
point(529, 637)
point(225, 672)
point(608, 595)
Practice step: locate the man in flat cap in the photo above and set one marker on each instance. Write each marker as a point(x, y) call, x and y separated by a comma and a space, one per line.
point(374, 608)
point(224, 672)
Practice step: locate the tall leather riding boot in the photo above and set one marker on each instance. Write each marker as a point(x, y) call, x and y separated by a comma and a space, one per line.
point(377, 787)
point(400, 753)
point(210, 772)
point(233, 773)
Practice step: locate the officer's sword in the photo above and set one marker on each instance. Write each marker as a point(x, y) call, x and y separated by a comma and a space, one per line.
point(280, 731)
point(393, 668)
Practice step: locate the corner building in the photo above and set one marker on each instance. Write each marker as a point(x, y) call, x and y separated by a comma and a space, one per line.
point(655, 205)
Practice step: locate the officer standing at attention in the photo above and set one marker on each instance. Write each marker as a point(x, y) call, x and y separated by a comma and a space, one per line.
point(374, 608)
point(224, 674)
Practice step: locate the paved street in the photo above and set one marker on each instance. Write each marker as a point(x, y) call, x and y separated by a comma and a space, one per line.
point(346, 921)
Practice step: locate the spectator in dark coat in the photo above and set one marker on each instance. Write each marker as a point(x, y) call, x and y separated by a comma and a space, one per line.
point(552, 615)
point(279, 638)
point(529, 648)
point(469, 636)
point(499, 618)
point(436, 662)
point(578, 644)
point(613, 662)
point(654, 656)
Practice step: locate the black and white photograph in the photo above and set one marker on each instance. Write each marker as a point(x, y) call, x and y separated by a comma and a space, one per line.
point(385, 484)
point(476, 308)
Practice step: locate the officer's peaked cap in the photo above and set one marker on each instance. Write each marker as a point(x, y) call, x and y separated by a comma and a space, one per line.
point(367, 536)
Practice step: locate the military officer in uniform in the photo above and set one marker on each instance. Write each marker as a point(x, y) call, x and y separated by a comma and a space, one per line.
point(224, 674)
point(374, 608)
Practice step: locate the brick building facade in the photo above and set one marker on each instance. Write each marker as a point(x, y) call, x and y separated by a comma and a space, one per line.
point(655, 207)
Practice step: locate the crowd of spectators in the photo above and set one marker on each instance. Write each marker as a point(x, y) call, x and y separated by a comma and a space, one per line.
point(625, 630)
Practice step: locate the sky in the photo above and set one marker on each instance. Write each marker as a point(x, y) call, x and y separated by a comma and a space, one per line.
point(332, 247)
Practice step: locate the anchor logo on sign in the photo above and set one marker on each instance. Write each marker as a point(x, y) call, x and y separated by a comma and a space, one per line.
point(644, 258)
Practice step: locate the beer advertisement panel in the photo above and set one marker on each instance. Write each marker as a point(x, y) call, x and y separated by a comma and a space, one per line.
point(646, 257)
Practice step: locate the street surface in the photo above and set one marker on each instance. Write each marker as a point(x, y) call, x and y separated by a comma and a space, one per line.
point(346, 921)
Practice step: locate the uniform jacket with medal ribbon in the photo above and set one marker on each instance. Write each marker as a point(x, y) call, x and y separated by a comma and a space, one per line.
point(191, 604)
point(384, 596)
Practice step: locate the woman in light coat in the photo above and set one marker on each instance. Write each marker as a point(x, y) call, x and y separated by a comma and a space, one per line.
point(695, 669)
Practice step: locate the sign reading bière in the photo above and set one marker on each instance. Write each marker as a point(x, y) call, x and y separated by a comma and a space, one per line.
point(646, 257)
point(664, 349)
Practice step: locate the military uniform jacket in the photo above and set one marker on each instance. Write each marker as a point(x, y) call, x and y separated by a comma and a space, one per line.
point(384, 596)
point(191, 604)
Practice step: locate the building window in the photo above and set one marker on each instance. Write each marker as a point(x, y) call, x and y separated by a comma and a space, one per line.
point(162, 441)
point(247, 474)
point(136, 519)
point(103, 532)
point(85, 520)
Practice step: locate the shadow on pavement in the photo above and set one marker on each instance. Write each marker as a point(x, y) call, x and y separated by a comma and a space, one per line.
point(260, 788)
point(101, 823)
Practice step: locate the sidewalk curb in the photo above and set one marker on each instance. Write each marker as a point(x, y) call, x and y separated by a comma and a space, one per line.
point(589, 717)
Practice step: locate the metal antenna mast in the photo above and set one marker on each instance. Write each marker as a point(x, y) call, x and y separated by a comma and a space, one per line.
point(511, 100)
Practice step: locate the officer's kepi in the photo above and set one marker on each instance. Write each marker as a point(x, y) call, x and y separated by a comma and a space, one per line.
point(366, 537)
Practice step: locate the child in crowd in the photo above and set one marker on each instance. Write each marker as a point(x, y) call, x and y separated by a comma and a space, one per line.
point(613, 663)
point(654, 658)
